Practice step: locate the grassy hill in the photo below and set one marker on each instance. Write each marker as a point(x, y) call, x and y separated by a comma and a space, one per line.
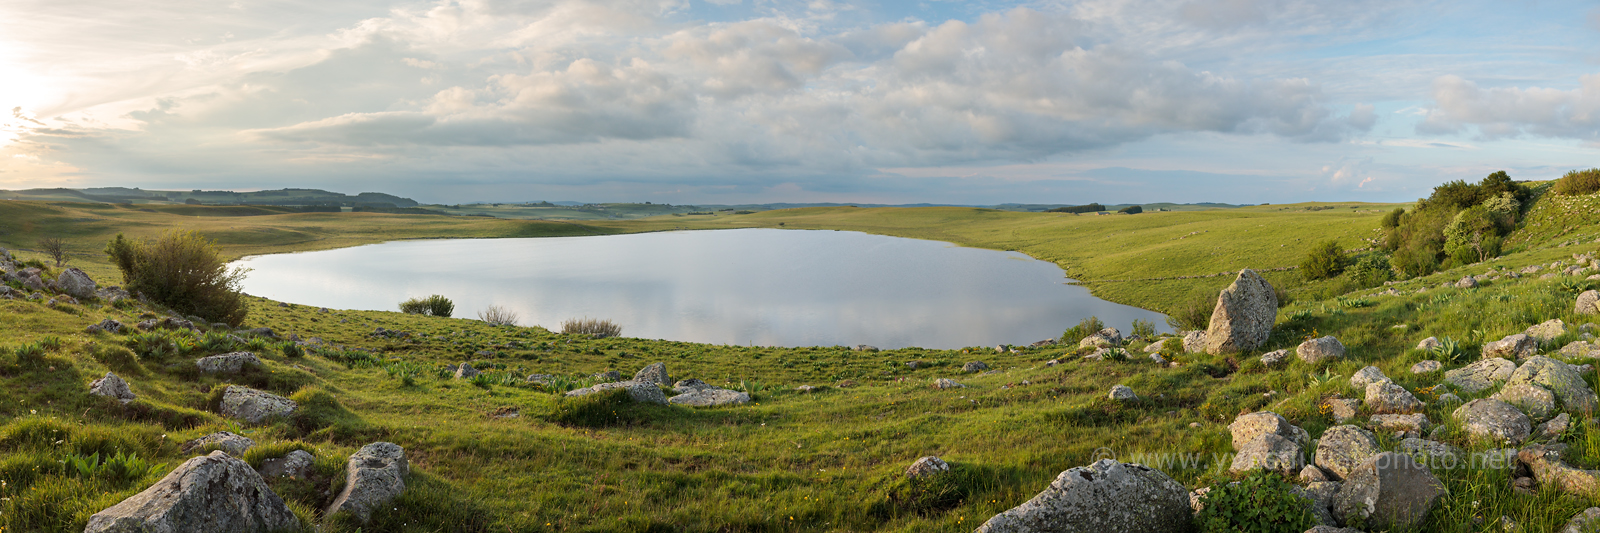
point(824, 461)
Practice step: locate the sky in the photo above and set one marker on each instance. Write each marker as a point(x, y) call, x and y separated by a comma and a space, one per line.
point(753, 101)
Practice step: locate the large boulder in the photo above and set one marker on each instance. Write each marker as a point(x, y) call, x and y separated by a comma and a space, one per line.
point(654, 373)
point(1107, 496)
point(232, 443)
point(375, 475)
point(1194, 342)
point(1389, 490)
point(1588, 303)
point(1243, 317)
point(1512, 347)
point(1246, 428)
point(1493, 419)
point(1320, 349)
point(213, 492)
point(639, 391)
point(74, 282)
point(1560, 379)
point(253, 406)
point(1367, 375)
point(112, 386)
point(228, 363)
point(1385, 397)
point(712, 397)
point(1546, 331)
point(1343, 448)
point(1535, 401)
point(1480, 376)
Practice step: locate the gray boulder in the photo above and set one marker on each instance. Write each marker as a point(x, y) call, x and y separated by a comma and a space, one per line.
point(1320, 496)
point(1246, 428)
point(1428, 343)
point(1547, 331)
point(465, 371)
point(1343, 409)
point(1159, 344)
point(1270, 452)
point(1424, 367)
point(1431, 452)
point(1194, 342)
point(1493, 419)
point(974, 366)
point(232, 443)
point(74, 282)
point(1480, 376)
point(1274, 358)
point(228, 363)
point(1122, 393)
point(1554, 427)
point(1581, 350)
point(1467, 282)
point(927, 466)
point(712, 397)
point(1388, 398)
point(1560, 379)
point(654, 373)
point(1107, 497)
point(1535, 401)
point(1512, 347)
point(375, 475)
point(253, 406)
point(1243, 317)
point(112, 386)
point(691, 385)
point(110, 326)
point(1588, 303)
point(213, 492)
point(1104, 337)
point(1343, 448)
point(1367, 375)
point(1551, 471)
point(639, 391)
point(1412, 425)
point(1389, 490)
point(1320, 349)
point(945, 383)
point(1312, 474)
point(295, 465)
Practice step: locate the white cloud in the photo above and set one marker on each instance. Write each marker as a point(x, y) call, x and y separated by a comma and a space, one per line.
point(1502, 112)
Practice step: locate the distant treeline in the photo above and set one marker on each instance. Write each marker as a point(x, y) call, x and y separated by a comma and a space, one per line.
point(391, 209)
point(1091, 208)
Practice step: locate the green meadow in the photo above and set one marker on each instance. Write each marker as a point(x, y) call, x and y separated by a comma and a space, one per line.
point(500, 454)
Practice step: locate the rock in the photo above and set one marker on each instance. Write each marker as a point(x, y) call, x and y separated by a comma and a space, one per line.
point(465, 371)
point(1588, 303)
point(1122, 393)
point(375, 475)
point(1158, 359)
point(1494, 419)
point(712, 397)
point(110, 326)
point(260, 332)
point(1587, 521)
point(974, 366)
point(655, 373)
point(1481, 375)
point(1043, 343)
point(1159, 344)
point(232, 443)
point(1343, 448)
point(1550, 470)
point(1388, 490)
point(1367, 375)
point(1428, 343)
point(296, 465)
point(1332, 529)
point(1246, 428)
point(1104, 337)
point(254, 406)
point(864, 348)
point(640, 392)
point(691, 385)
point(1312, 474)
point(807, 389)
point(1580, 350)
point(927, 466)
point(1425, 367)
point(1270, 452)
point(1412, 425)
point(1243, 316)
point(943, 383)
point(112, 386)
point(913, 365)
point(74, 282)
point(1387, 398)
point(1320, 496)
point(1560, 379)
point(1467, 283)
point(1107, 496)
point(1513, 346)
point(1431, 452)
point(1533, 400)
point(1320, 349)
point(1554, 427)
point(609, 376)
point(208, 493)
point(1274, 358)
point(228, 363)
point(1547, 331)
point(1194, 342)
point(1343, 409)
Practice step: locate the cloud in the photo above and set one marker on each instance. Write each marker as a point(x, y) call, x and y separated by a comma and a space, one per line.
point(1503, 112)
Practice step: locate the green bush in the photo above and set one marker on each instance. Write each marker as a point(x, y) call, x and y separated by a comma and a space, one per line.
point(1144, 329)
point(434, 305)
point(1392, 218)
point(1261, 502)
point(1325, 260)
point(1372, 270)
point(1578, 182)
point(182, 270)
point(1086, 327)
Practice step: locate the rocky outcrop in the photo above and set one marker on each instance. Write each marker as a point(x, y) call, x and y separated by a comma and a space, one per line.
point(1493, 419)
point(375, 475)
point(1343, 448)
point(1559, 378)
point(639, 391)
point(1122, 393)
point(927, 466)
point(1513, 347)
point(75, 283)
point(1242, 319)
point(253, 406)
point(228, 363)
point(112, 386)
point(1588, 303)
point(1107, 497)
point(214, 492)
point(232, 443)
point(712, 397)
point(1480, 376)
point(654, 373)
point(1320, 349)
point(1389, 490)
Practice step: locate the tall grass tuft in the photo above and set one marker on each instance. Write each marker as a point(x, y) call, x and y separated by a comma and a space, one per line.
point(592, 327)
point(498, 316)
point(1194, 315)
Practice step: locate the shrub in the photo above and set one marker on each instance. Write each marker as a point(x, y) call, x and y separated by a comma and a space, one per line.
point(1086, 327)
point(1195, 315)
point(593, 327)
point(1417, 260)
point(55, 249)
point(1372, 270)
point(1144, 329)
point(1325, 260)
point(1131, 210)
point(434, 305)
point(182, 270)
point(1261, 502)
point(1392, 218)
point(1578, 182)
point(498, 316)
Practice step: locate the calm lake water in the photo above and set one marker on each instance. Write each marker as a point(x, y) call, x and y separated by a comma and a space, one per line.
point(747, 286)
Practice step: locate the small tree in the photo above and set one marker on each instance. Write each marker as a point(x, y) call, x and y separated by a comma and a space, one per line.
point(1326, 260)
point(182, 270)
point(54, 248)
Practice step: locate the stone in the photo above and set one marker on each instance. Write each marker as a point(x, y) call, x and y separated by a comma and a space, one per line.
point(1425, 367)
point(1533, 400)
point(691, 385)
point(213, 492)
point(1343, 409)
point(1343, 448)
point(1412, 425)
point(1159, 344)
point(807, 389)
point(296, 465)
point(1043, 343)
point(465, 371)
point(1367, 375)
point(1448, 398)
point(1493, 419)
point(640, 392)
point(1389, 398)
point(1581, 350)
point(654, 373)
point(1547, 331)
point(609, 376)
point(1588, 303)
point(1274, 358)
point(1246, 428)
point(1587, 521)
point(228, 363)
point(913, 365)
point(1320, 349)
point(1553, 428)
point(113, 387)
point(1389, 490)
point(1467, 282)
point(974, 366)
point(75, 283)
point(232, 443)
point(1550, 470)
point(1270, 452)
point(1428, 343)
point(1158, 359)
point(1513, 346)
point(1480, 376)
point(1107, 496)
point(254, 406)
point(927, 466)
point(1320, 496)
point(110, 326)
point(1122, 393)
point(712, 397)
point(864, 348)
point(375, 475)
point(1312, 474)
point(1559, 378)
point(1431, 452)
point(945, 383)
point(1194, 342)
point(1242, 319)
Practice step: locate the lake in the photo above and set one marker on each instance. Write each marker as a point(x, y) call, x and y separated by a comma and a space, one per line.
point(764, 287)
